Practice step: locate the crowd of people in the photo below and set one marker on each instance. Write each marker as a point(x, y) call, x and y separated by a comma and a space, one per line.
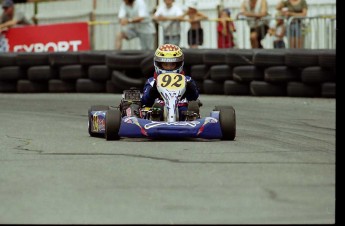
point(137, 21)
point(169, 16)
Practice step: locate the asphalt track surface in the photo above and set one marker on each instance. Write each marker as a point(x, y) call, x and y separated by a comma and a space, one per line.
point(279, 170)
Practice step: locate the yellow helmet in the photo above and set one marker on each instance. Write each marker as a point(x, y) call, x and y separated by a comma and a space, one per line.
point(168, 53)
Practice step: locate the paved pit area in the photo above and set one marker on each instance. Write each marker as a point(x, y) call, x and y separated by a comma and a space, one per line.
point(279, 170)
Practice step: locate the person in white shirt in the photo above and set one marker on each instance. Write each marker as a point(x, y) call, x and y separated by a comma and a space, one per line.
point(167, 15)
point(11, 17)
point(254, 11)
point(135, 21)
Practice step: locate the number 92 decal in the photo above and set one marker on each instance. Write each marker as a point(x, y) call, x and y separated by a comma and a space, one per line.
point(171, 81)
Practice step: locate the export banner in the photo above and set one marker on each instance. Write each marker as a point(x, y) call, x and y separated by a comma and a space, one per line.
point(46, 38)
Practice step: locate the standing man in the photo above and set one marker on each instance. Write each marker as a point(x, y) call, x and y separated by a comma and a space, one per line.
point(168, 15)
point(135, 21)
point(255, 10)
point(11, 17)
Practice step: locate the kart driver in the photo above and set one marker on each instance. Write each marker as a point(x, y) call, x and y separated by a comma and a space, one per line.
point(169, 58)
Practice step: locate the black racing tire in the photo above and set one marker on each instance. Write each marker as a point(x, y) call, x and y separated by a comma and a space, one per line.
point(42, 73)
point(8, 59)
point(300, 89)
point(73, 72)
point(193, 56)
point(215, 57)
point(8, 86)
point(221, 73)
point(32, 59)
point(12, 73)
point(281, 74)
point(112, 124)
point(59, 86)
point(96, 57)
point(27, 86)
point(302, 57)
point(84, 85)
point(269, 57)
point(227, 119)
point(327, 58)
point(246, 74)
point(263, 88)
point(123, 81)
point(99, 72)
point(134, 73)
point(111, 88)
point(235, 88)
point(213, 87)
point(328, 89)
point(126, 59)
point(199, 72)
point(63, 58)
point(316, 75)
point(239, 57)
point(95, 108)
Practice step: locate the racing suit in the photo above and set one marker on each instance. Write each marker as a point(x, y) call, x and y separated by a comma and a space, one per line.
point(150, 94)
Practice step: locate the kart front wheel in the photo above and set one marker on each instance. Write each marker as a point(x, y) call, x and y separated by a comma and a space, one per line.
point(227, 118)
point(112, 124)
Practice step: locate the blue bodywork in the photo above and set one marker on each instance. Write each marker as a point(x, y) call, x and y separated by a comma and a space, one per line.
point(207, 128)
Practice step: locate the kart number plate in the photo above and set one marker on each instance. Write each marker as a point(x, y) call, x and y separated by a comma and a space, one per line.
point(172, 81)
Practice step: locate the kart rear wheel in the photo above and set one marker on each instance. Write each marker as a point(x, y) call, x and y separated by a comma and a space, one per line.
point(227, 118)
point(112, 124)
point(95, 108)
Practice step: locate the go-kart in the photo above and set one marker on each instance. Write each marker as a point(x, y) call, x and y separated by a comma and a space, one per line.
point(132, 120)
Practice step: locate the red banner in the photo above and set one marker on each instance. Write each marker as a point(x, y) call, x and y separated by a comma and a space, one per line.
point(49, 38)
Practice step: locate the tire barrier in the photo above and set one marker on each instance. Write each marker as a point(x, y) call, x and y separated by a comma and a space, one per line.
point(256, 72)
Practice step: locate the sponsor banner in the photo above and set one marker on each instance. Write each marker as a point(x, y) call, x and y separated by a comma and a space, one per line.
point(47, 38)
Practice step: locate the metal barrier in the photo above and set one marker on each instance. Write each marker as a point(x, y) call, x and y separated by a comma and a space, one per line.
point(311, 32)
point(318, 32)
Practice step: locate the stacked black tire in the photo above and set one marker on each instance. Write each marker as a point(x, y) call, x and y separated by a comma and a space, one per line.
point(257, 72)
point(275, 72)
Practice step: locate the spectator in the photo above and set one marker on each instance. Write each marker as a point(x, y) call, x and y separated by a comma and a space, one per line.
point(11, 17)
point(225, 29)
point(255, 10)
point(195, 33)
point(294, 8)
point(277, 31)
point(168, 15)
point(135, 21)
